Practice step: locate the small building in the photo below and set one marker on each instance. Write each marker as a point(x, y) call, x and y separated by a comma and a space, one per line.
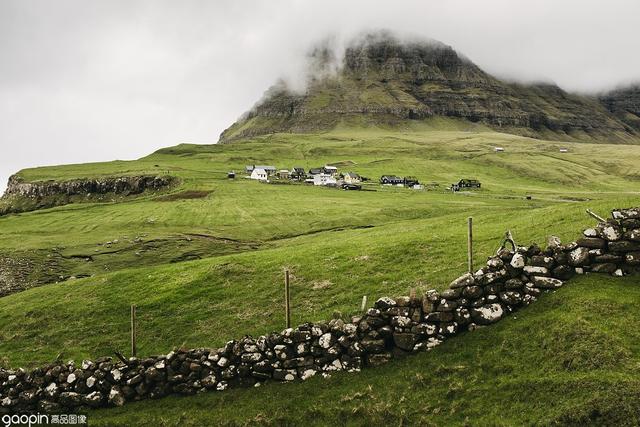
point(351, 178)
point(391, 180)
point(324, 179)
point(231, 175)
point(330, 170)
point(564, 150)
point(411, 181)
point(259, 174)
point(269, 169)
point(297, 173)
point(499, 149)
point(283, 174)
point(466, 184)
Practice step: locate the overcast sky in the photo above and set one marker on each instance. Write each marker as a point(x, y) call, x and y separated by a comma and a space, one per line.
point(88, 80)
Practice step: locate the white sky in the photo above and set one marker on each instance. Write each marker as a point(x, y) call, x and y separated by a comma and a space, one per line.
point(92, 80)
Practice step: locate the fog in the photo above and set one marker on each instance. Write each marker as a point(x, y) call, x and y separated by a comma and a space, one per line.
point(100, 80)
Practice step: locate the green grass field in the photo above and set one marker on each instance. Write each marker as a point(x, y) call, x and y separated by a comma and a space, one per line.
point(204, 270)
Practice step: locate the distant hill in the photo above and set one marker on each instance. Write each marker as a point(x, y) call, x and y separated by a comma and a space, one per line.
point(384, 81)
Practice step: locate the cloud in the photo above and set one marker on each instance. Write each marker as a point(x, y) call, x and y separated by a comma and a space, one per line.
point(87, 81)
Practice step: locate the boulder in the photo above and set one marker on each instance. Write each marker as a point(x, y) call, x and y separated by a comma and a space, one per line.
point(487, 314)
point(462, 281)
point(518, 261)
point(472, 292)
point(546, 282)
point(592, 243)
point(604, 268)
point(579, 257)
point(405, 341)
point(511, 297)
point(624, 246)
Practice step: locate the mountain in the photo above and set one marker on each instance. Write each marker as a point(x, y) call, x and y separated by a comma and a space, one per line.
point(624, 103)
point(381, 80)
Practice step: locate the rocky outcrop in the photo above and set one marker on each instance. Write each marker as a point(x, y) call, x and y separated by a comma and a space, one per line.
point(21, 196)
point(387, 81)
point(393, 327)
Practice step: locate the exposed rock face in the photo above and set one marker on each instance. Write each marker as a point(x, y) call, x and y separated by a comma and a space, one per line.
point(389, 81)
point(625, 105)
point(21, 196)
point(117, 185)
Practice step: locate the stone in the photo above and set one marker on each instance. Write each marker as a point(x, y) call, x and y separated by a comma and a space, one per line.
point(542, 261)
point(546, 282)
point(579, 257)
point(511, 297)
point(487, 314)
point(611, 233)
point(405, 341)
point(633, 235)
point(563, 272)
point(604, 268)
point(439, 316)
point(385, 303)
point(624, 246)
point(462, 281)
point(534, 270)
point(553, 242)
point(447, 305)
point(590, 232)
point(326, 340)
point(451, 294)
point(70, 399)
point(400, 321)
point(372, 345)
point(495, 263)
point(512, 284)
point(472, 292)
point(592, 243)
point(518, 261)
point(632, 258)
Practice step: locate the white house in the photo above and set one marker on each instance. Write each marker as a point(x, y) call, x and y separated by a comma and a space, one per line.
point(351, 178)
point(564, 150)
point(324, 179)
point(499, 149)
point(259, 174)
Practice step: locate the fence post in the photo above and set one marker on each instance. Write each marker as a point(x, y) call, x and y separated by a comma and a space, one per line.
point(363, 306)
point(133, 330)
point(287, 301)
point(470, 244)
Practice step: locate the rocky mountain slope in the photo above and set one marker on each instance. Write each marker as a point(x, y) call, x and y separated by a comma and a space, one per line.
point(382, 80)
point(624, 103)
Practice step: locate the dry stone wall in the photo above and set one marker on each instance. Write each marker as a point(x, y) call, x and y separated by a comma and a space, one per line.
point(511, 279)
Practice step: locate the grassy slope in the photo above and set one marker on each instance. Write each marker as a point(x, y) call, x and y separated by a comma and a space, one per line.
point(570, 359)
point(418, 239)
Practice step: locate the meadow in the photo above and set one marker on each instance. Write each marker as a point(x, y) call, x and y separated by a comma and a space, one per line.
point(205, 263)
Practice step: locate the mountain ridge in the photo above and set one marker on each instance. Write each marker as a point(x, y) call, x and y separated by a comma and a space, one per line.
point(385, 81)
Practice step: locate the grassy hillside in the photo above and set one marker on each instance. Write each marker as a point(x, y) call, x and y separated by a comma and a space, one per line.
point(204, 264)
point(569, 359)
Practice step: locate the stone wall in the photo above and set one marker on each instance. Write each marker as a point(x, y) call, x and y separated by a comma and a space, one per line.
point(512, 279)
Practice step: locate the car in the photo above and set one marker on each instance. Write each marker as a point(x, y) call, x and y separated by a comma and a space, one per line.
point(351, 187)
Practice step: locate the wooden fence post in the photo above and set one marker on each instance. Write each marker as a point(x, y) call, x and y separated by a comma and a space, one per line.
point(133, 330)
point(287, 301)
point(470, 244)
